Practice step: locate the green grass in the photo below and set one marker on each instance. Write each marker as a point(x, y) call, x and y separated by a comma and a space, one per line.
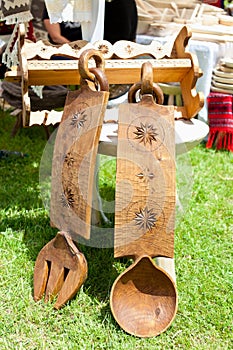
point(203, 252)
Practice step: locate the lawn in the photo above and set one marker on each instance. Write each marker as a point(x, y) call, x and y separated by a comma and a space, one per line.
point(203, 257)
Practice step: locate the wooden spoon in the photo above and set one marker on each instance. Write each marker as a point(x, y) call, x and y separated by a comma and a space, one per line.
point(144, 297)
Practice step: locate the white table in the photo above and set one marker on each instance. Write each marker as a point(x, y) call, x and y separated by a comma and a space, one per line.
point(188, 134)
point(208, 54)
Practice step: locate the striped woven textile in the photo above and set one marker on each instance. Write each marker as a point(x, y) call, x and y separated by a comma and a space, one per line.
point(220, 115)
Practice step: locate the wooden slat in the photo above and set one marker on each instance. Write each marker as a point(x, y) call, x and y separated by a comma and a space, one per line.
point(56, 72)
point(74, 160)
point(145, 180)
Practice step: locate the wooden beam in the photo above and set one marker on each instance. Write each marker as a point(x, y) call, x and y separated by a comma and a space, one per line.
point(65, 72)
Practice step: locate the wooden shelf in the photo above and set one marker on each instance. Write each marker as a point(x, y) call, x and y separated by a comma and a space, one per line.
point(171, 64)
point(57, 72)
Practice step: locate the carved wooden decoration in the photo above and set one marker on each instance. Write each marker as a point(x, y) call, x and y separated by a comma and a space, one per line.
point(43, 49)
point(74, 159)
point(143, 298)
point(188, 84)
point(122, 49)
point(171, 63)
point(60, 270)
point(145, 181)
point(126, 49)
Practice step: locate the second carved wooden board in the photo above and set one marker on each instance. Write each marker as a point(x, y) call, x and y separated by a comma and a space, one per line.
point(145, 181)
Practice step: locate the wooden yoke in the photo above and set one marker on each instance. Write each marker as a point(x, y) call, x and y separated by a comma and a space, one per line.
point(123, 61)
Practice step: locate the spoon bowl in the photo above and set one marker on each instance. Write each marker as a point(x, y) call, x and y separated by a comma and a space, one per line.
point(144, 299)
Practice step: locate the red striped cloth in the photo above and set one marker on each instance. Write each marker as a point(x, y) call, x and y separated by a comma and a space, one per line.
point(220, 115)
point(218, 3)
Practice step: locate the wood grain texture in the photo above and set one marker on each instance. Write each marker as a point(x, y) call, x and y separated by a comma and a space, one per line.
point(121, 49)
point(180, 66)
point(74, 161)
point(60, 270)
point(144, 299)
point(49, 72)
point(145, 180)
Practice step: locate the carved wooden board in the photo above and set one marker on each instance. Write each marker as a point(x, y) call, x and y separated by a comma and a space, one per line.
point(74, 161)
point(145, 180)
point(122, 49)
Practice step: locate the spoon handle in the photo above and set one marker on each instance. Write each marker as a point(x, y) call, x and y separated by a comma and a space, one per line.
point(145, 178)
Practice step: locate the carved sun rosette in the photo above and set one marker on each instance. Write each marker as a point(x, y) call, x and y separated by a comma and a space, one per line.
point(145, 219)
point(79, 119)
point(67, 198)
point(145, 133)
point(69, 160)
